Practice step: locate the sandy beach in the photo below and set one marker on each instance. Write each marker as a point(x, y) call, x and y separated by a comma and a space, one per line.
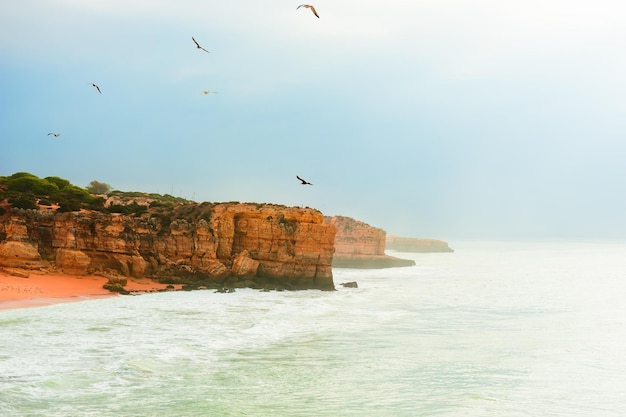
point(45, 289)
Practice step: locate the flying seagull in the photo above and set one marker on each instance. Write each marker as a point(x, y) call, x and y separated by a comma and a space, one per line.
point(209, 92)
point(56, 135)
point(308, 6)
point(97, 88)
point(304, 182)
point(198, 45)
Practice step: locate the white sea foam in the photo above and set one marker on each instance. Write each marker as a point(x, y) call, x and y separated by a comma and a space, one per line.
point(494, 329)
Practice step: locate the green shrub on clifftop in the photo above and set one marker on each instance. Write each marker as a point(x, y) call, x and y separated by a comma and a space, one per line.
point(24, 189)
point(28, 183)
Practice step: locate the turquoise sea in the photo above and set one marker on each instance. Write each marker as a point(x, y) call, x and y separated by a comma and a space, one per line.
point(493, 329)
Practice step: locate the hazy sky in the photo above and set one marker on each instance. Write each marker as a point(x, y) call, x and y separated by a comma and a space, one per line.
point(431, 118)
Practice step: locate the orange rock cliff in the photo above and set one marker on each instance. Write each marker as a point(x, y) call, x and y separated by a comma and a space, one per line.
point(359, 245)
point(239, 245)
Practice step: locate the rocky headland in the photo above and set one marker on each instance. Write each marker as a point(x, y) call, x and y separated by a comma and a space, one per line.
point(202, 245)
point(49, 226)
point(359, 245)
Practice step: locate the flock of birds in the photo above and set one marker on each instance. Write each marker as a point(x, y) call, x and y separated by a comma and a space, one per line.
point(198, 46)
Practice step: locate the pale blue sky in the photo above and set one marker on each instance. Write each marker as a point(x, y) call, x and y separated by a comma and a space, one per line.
point(433, 118)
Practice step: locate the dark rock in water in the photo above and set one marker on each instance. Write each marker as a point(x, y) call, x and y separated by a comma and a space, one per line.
point(225, 290)
point(351, 284)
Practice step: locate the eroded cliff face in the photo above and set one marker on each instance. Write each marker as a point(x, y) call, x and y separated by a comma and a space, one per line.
point(359, 245)
point(254, 245)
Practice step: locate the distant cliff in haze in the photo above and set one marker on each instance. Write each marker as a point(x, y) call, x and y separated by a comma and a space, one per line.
point(359, 245)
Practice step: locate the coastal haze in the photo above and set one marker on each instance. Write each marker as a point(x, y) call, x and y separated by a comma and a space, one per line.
point(444, 119)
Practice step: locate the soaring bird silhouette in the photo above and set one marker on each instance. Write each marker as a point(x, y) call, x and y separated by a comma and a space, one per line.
point(209, 92)
point(304, 182)
point(97, 88)
point(308, 6)
point(56, 135)
point(198, 45)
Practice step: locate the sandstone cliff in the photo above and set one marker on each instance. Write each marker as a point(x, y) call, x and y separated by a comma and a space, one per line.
point(231, 244)
point(411, 244)
point(359, 245)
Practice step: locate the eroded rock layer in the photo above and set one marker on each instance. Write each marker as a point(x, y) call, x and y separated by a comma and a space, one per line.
point(256, 245)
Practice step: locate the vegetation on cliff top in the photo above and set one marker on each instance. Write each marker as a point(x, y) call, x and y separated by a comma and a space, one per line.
point(27, 191)
point(24, 190)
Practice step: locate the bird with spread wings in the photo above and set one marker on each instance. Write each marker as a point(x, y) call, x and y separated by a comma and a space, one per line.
point(308, 6)
point(197, 44)
point(303, 181)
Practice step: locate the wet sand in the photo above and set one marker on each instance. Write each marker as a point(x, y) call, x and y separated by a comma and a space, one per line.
point(46, 289)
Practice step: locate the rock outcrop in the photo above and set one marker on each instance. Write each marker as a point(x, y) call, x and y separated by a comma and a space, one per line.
point(261, 245)
point(411, 244)
point(359, 245)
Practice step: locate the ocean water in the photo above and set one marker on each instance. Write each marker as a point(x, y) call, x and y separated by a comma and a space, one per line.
point(494, 329)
